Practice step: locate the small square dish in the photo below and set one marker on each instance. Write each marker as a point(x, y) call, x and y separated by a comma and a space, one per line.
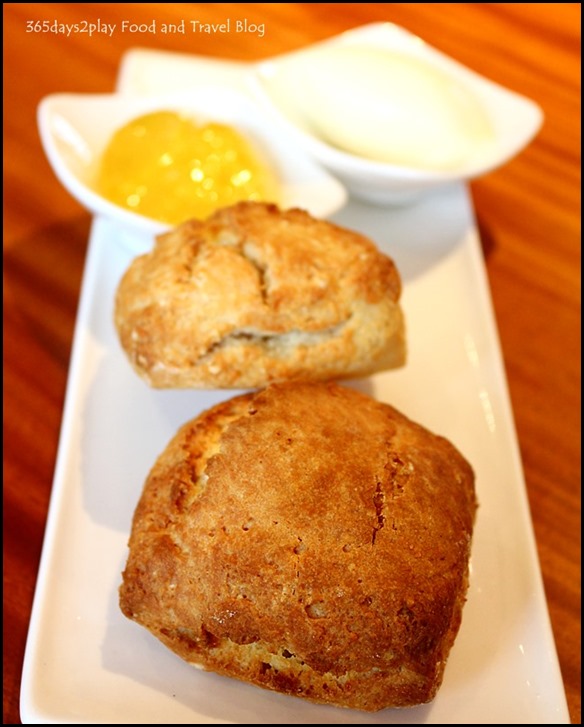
point(75, 129)
point(391, 116)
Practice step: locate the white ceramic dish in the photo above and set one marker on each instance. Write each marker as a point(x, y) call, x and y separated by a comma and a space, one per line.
point(75, 129)
point(514, 119)
point(86, 664)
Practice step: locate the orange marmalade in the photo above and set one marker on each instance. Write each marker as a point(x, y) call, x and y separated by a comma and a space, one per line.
point(168, 167)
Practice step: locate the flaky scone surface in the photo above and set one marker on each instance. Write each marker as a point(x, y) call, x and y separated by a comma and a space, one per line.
point(306, 539)
point(255, 295)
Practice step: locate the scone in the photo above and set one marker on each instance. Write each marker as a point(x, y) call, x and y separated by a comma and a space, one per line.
point(254, 295)
point(307, 539)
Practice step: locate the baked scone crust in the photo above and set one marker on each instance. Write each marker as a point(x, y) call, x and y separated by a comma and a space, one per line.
point(254, 295)
point(307, 539)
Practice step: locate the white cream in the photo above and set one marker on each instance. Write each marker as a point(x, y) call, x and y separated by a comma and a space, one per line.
point(386, 106)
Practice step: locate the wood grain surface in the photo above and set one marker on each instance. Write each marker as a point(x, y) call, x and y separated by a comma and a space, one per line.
point(528, 212)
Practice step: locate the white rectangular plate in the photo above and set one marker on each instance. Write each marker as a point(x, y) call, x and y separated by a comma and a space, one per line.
point(85, 663)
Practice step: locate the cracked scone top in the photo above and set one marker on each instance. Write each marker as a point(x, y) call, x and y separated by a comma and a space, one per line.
point(307, 539)
point(254, 295)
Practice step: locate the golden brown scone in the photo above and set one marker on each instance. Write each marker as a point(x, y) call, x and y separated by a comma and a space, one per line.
point(307, 539)
point(255, 295)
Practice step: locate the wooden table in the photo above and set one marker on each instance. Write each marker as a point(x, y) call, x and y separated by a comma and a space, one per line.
point(528, 212)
